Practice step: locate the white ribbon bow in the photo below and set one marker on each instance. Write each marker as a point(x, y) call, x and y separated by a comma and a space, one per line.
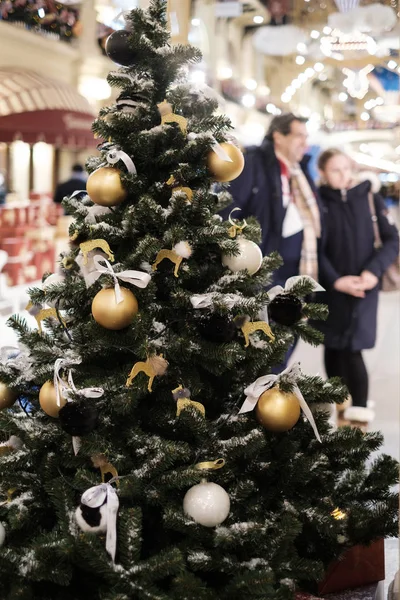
point(95, 497)
point(66, 390)
point(96, 211)
point(262, 384)
point(114, 155)
point(218, 149)
point(207, 300)
point(138, 278)
point(5, 353)
point(290, 284)
point(77, 192)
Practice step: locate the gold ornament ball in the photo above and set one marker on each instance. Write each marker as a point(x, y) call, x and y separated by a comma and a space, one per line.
point(48, 400)
point(111, 315)
point(7, 396)
point(277, 411)
point(223, 170)
point(105, 188)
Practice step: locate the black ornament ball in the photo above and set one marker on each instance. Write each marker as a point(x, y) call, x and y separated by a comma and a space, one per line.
point(217, 328)
point(285, 309)
point(119, 50)
point(78, 418)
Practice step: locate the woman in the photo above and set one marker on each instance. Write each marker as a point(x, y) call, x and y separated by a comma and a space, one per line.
point(351, 270)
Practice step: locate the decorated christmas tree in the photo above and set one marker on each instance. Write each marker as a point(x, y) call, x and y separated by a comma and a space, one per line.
point(148, 452)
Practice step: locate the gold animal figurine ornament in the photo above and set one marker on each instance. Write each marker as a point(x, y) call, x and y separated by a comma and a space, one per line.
point(47, 313)
point(153, 366)
point(176, 255)
point(87, 247)
point(100, 462)
point(184, 190)
point(167, 116)
point(182, 396)
point(252, 326)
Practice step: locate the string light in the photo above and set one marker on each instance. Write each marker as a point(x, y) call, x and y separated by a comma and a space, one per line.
point(225, 73)
point(286, 97)
point(309, 72)
point(338, 514)
point(300, 60)
point(258, 19)
point(365, 116)
point(195, 22)
point(327, 30)
point(392, 64)
point(319, 67)
point(315, 34)
point(248, 100)
point(251, 84)
point(343, 96)
point(301, 47)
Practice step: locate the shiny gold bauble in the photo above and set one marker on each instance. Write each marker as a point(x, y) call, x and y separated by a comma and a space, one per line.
point(277, 411)
point(48, 400)
point(111, 315)
point(105, 188)
point(7, 396)
point(223, 170)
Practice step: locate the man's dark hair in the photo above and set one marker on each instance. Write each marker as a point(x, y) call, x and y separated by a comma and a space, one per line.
point(282, 124)
point(77, 168)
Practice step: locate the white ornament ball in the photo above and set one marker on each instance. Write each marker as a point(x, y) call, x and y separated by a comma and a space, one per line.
point(2, 534)
point(53, 279)
point(207, 503)
point(250, 257)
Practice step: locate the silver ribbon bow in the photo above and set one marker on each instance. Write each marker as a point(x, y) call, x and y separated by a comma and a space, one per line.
point(290, 284)
point(207, 300)
point(95, 497)
point(67, 389)
point(138, 278)
point(96, 211)
point(216, 146)
point(5, 353)
point(262, 384)
point(114, 155)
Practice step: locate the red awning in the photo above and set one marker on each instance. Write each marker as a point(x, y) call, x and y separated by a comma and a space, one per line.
point(34, 108)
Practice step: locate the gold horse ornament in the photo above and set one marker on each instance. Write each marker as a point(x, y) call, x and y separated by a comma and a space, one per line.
point(251, 327)
point(90, 245)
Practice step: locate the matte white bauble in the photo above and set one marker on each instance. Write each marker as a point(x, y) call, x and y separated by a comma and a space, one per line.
point(2, 534)
point(249, 257)
point(207, 503)
point(53, 279)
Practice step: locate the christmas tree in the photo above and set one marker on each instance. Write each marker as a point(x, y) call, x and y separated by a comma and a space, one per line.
point(147, 451)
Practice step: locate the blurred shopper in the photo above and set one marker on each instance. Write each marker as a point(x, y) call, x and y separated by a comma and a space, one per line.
point(276, 188)
point(353, 268)
point(76, 182)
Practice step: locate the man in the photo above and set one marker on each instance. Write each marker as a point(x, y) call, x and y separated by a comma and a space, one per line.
point(76, 182)
point(276, 188)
